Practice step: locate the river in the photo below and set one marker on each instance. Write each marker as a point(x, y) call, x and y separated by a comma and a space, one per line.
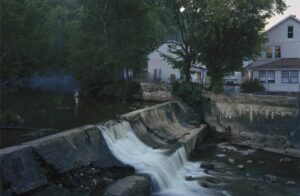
point(30, 114)
point(217, 169)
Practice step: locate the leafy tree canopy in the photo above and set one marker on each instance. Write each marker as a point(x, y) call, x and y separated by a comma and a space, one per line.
point(220, 34)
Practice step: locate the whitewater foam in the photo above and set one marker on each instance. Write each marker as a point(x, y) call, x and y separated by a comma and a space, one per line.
point(168, 172)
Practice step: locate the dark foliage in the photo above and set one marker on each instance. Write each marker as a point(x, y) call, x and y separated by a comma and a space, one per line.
point(189, 93)
point(252, 86)
point(120, 90)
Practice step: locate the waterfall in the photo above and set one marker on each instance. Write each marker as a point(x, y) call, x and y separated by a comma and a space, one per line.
point(168, 172)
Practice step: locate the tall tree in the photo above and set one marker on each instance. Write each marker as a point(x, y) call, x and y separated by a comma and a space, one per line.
point(184, 51)
point(23, 37)
point(232, 32)
point(112, 36)
point(218, 33)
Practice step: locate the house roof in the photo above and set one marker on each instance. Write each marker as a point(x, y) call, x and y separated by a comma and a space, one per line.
point(200, 67)
point(285, 63)
point(293, 17)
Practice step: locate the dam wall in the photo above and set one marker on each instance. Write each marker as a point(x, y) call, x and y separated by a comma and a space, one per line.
point(167, 125)
point(34, 166)
point(261, 121)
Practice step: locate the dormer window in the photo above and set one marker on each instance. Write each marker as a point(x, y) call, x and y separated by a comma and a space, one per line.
point(277, 52)
point(290, 32)
point(269, 53)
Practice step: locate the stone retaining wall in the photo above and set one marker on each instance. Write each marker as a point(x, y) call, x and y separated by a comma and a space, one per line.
point(156, 92)
point(261, 121)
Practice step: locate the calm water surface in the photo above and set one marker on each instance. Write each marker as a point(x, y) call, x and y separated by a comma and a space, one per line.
point(39, 113)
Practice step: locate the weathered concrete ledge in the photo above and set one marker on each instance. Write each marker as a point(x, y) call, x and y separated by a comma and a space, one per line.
point(260, 121)
point(29, 165)
point(34, 165)
point(167, 125)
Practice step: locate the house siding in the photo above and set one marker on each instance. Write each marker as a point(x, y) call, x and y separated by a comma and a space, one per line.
point(158, 63)
point(278, 86)
point(290, 47)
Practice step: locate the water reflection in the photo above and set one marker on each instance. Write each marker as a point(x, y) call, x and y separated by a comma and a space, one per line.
point(40, 113)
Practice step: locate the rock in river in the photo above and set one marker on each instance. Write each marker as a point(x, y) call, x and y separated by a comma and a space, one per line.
point(270, 178)
point(207, 165)
point(231, 161)
point(220, 155)
point(285, 160)
point(249, 161)
point(130, 185)
point(290, 183)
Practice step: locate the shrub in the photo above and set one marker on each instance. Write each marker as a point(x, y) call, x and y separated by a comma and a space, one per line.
point(189, 93)
point(120, 90)
point(251, 86)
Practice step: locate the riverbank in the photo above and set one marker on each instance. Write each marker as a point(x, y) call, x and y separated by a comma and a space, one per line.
point(155, 141)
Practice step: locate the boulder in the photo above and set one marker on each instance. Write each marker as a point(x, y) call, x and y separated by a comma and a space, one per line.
point(21, 172)
point(130, 185)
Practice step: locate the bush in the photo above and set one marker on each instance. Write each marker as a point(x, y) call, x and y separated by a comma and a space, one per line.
point(120, 90)
point(251, 86)
point(189, 93)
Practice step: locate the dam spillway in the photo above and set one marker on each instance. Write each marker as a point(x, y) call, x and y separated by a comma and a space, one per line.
point(168, 171)
point(31, 166)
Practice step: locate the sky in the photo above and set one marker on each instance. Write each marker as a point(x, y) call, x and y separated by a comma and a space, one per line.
point(293, 9)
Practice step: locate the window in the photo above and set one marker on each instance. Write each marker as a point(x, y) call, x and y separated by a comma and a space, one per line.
point(269, 52)
point(262, 76)
point(266, 76)
point(271, 76)
point(277, 52)
point(290, 31)
point(294, 77)
point(289, 76)
point(285, 77)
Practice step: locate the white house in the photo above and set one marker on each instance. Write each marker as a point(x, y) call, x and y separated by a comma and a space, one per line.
point(278, 67)
point(234, 78)
point(159, 70)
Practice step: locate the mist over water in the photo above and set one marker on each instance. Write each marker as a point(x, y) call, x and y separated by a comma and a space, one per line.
point(168, 172)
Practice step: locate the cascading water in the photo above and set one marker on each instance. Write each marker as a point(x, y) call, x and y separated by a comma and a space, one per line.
point(168, 173)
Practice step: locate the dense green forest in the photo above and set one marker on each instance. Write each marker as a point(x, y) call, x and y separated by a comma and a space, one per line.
point(95, 39)
point(99, 41)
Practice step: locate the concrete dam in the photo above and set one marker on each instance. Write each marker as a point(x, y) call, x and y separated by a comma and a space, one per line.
point(155, 141)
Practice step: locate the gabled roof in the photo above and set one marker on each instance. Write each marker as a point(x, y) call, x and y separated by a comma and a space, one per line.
point(285, 63)
point(293, 17)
